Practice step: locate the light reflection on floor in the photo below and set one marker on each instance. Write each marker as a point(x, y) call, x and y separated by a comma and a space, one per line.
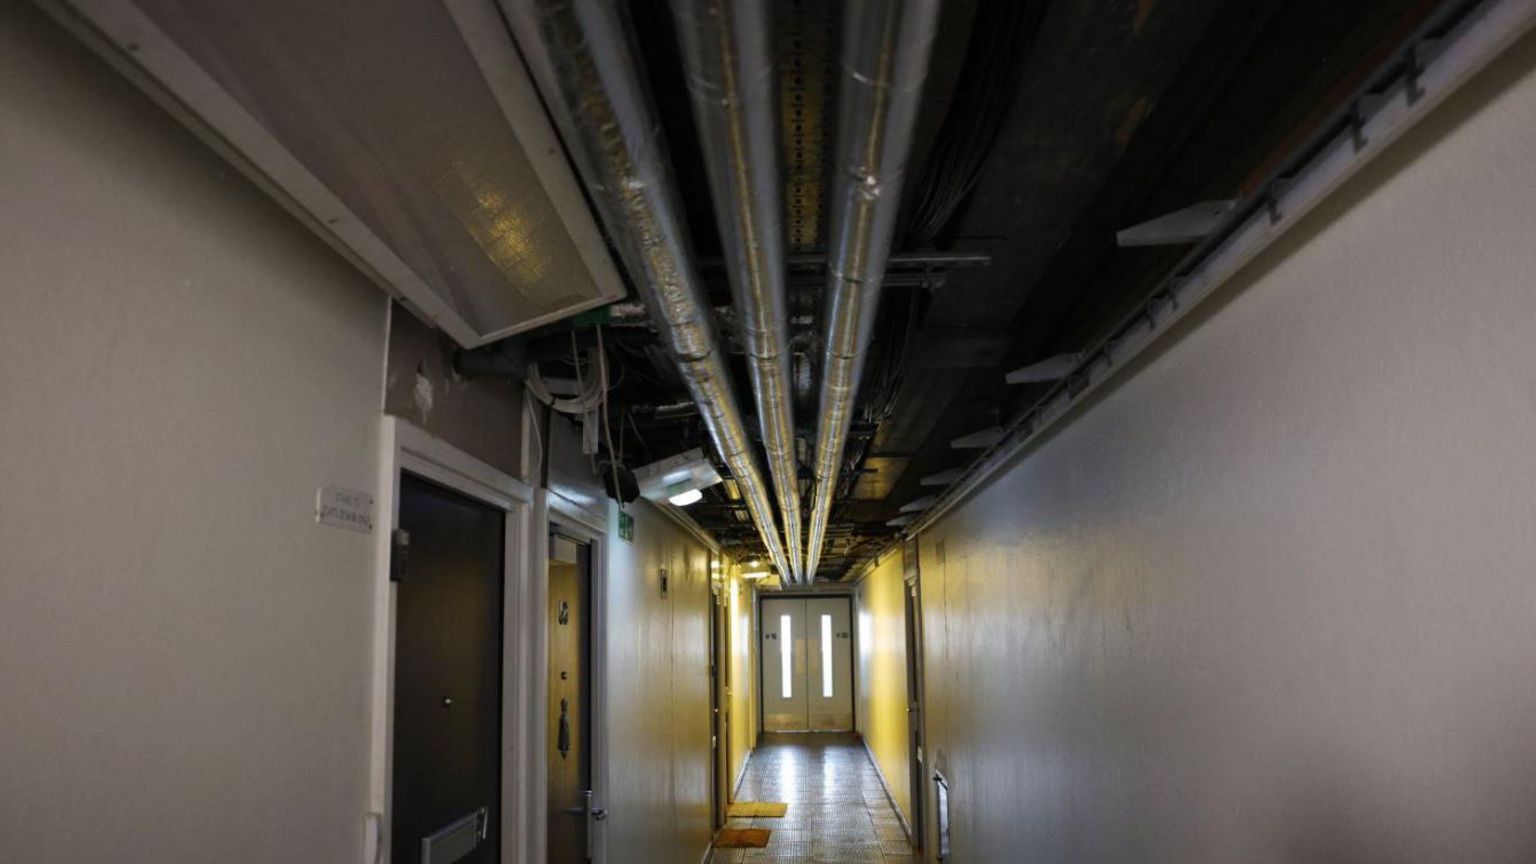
point(838, 811)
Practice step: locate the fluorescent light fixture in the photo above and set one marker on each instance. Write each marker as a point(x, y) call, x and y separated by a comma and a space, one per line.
point(679, 480)
point(686, 497)
point(486, 231)
point(755, 571)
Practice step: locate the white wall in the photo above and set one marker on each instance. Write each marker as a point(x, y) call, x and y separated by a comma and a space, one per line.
point(183, 666)
point(1273, 598)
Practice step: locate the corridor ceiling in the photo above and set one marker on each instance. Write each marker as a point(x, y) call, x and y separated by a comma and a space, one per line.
point(1046, 126)
point(1042, 128)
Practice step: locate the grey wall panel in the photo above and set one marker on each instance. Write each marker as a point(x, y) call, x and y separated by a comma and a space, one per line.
point(570, 472)
point(184, 652)
point(1271, 597)
point(481, 417)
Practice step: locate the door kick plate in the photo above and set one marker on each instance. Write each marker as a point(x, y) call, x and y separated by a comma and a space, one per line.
point(456, 839)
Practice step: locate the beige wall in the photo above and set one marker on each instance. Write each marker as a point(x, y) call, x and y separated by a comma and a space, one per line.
point(882, 676)
point(1272, 598)
point(183, 650)
point(658, 693)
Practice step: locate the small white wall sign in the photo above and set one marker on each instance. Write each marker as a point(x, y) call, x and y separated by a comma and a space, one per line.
point(344, 508)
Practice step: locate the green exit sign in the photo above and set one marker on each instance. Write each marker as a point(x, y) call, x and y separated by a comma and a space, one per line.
point(626, 527)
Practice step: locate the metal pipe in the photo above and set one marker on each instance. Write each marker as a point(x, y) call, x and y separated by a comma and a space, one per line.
point(896, 261)
point(580, 55)
point(886, 44)
point(727, 53)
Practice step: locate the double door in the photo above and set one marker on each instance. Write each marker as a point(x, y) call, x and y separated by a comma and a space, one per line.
point(807, 664)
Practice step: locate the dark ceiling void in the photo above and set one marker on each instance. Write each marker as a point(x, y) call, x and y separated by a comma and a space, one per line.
point(1046, 127)
point(1256, 72)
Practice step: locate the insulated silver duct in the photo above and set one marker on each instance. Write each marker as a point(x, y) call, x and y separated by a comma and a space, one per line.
point(727, 51)
point(580, 55)
point(884, 61)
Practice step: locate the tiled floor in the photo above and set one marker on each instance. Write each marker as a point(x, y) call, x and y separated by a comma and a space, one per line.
point(838, 812)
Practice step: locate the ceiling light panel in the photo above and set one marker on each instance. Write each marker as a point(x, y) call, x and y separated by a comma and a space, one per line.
point(405, 132)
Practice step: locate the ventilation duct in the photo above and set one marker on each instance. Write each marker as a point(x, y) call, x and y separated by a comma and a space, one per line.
point(885, 53)
point(728, 56)
point(580, 57)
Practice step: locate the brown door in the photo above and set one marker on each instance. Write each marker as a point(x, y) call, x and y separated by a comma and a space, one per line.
point(570, 760)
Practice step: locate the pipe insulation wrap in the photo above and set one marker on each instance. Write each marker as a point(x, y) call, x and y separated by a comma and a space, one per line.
point(728, 57)
point(885, 50)
point(579, 53)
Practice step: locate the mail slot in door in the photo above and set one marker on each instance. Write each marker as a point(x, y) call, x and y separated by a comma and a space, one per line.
point(455, 840)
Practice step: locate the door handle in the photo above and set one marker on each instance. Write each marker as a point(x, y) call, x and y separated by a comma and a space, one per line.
point(593, 814)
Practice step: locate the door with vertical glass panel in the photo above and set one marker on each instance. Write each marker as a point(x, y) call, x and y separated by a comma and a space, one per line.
point(783, 661)
point(829, 664)
point(807, 664)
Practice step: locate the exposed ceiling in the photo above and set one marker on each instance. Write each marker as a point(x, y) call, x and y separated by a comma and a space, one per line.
point(1046, 127)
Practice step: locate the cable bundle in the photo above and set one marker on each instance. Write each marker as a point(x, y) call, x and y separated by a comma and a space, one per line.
point(1002, 34)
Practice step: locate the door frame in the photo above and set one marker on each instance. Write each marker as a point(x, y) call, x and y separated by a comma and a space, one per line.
point(917, 706)
point(720, 689)
point(405, 447)
point(558, 513)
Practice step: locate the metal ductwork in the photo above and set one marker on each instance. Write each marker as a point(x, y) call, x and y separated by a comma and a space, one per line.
point(580, 55)
point(885, 50)
point(727, 52)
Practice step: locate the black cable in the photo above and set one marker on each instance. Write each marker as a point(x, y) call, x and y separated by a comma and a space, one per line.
point(1002, 37)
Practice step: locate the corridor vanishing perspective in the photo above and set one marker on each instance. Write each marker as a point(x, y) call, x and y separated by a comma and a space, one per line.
point(932, 431)
point(838, 809)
